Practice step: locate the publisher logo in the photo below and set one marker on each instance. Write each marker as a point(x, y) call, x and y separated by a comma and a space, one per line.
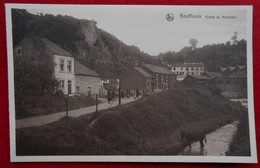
point(169, 17)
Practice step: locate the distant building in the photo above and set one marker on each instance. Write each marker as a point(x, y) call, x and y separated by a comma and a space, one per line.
point(163, 78)
point(230, 86)
point(72, 76)
point(233, 71)
point(182, 70)
point(211, 74)
point(239, 71)
point(195, 80)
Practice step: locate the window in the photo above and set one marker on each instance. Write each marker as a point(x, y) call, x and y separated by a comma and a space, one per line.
point(181, 68)
point(173, 68)
point(157, 77)
point(157, 85)
point(192, 73)
point(162, 77)
point(61, 65)
point(77, 89)
point(19, 51)
point(69, 66)
point(192, 69)
point(187, 68)
point(61, 85)
point(166, 78)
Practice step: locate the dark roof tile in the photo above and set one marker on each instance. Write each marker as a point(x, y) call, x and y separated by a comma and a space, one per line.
point(143, 72)
point(80, 69)
point(158, 69)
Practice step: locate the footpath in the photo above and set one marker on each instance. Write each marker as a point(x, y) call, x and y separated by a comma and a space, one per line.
point(46, 119)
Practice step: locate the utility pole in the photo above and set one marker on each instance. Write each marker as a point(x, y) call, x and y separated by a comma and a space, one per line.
point(67, 113)
point(119, 93)
point(96, 103)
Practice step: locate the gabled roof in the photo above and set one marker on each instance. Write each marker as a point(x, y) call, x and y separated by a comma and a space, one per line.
point(188, 65)
point(212, 74)
point(228, 77)
point(193, 64)
point(241, 67)
point(231, 68)
point(178, 65)
point(158, 69)
point(143, 72)
point(80, 69)
point(201, 77)
point(222, 69)
point(55, 48)
point(43, 42)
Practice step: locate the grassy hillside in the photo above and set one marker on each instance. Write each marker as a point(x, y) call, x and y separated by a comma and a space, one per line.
point(240, 145)
point(147, 127)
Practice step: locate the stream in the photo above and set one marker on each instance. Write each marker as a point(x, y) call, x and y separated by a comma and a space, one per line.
point(217, 142)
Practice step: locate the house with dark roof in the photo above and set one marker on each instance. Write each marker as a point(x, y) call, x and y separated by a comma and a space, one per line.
point(233, 71)
point(163, 78)
point(239, 71)
point(86, 80)
point(211, 74)
point(137, 79)
point(195, 80)
point(71, 75)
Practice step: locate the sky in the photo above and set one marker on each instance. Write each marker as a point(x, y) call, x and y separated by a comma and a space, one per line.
point(147, 27)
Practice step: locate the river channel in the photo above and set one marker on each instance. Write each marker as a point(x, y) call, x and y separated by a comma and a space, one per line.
point(217, 142)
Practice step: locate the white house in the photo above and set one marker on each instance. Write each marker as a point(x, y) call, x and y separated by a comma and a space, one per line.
point(182, 70)
point(64, 73)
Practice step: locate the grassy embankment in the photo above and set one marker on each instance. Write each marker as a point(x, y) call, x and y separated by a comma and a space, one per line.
point(49, 103)
point(146, 127)
point(240, 145)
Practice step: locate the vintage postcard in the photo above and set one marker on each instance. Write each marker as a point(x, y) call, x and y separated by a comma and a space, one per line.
point(130, 83)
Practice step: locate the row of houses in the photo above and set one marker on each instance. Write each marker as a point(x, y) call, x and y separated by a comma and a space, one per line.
point(149, 78)
point(233, 71)
point(198, 69)
point(75, 78)
point(230, 86)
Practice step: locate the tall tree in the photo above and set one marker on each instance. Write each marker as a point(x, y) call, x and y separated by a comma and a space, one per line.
point(193, 42)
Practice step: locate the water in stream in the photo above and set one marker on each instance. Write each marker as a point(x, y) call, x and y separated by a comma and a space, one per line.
point(217, 142)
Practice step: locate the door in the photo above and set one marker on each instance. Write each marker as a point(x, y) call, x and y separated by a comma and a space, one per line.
point(162, 87)
point(69, 87)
